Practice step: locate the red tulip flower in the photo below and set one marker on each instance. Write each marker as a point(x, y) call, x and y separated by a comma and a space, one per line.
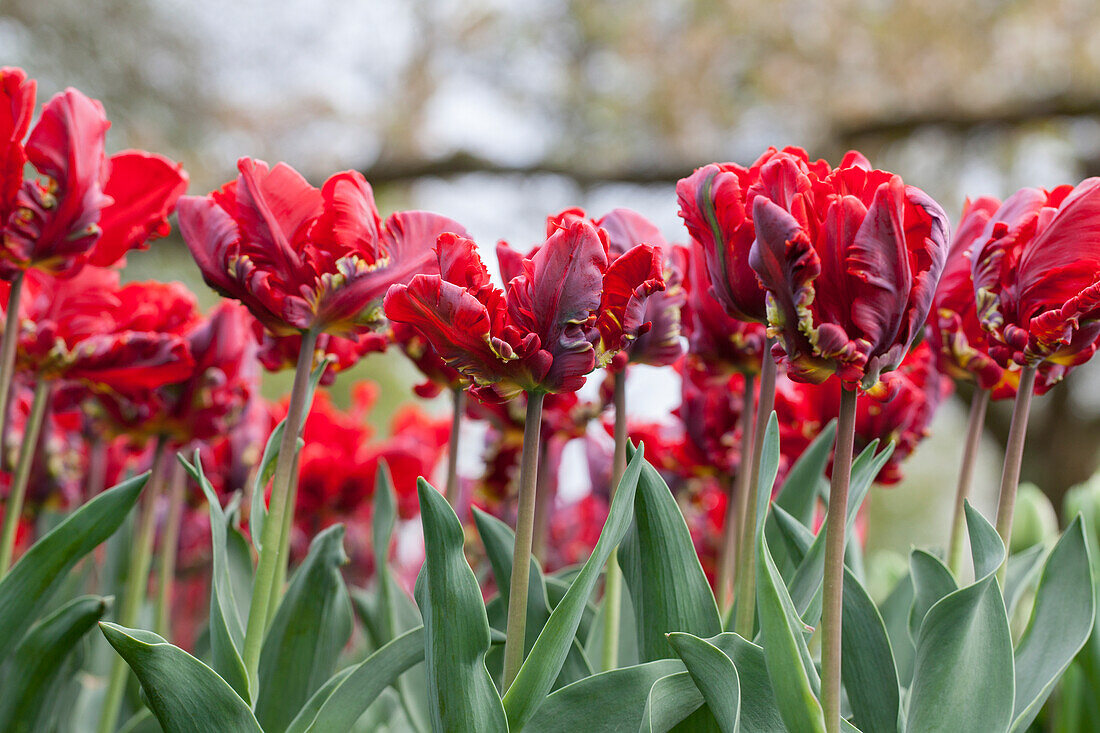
point(438, 375)
point(1036, 282)
point(564, 310)
point(303, 259)
point(851, 259)
point(88, 330)
point(660, 343)
point(83, 206)
point(716, 206)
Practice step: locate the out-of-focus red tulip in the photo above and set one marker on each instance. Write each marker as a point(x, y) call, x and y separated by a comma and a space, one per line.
point(716, 341)
point(851, 259)
point(539, 334)
point(438, 375)
point(716, 204)
point(83, 206)
point(89, 331)
point(1037, 288)
point(301, 258)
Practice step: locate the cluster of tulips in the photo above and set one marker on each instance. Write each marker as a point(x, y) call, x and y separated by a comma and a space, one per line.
point(816, 319)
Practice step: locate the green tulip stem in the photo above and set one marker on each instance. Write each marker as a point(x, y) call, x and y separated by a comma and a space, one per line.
point(169, 541)
point(13, 508)
point(613, 578)
point(746, 570)
point(277, 522)
point(283, 566)
point(137, 584)
point(7, 352)
point(736, 496)
point(515, 637)
point(974, 427)
point(1014, 456)
point(458, 406)
point(832, 598)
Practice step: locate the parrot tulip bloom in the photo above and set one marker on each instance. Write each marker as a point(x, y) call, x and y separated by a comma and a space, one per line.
point(539, 334)
point(303, 259)
point(851, 261)
point(1035, 278)
point(84, 207)
point(716, 206)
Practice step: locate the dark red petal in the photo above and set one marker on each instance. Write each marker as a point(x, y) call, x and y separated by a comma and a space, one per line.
point(144, 189)
point(626, 229)
point(130, 361)
point(509, 262)
point(460, 263)
point(629, 281)
point(273, 208)
point(16, 110)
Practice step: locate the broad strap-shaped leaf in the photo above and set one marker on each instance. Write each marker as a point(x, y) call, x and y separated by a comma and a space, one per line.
point(667, 585)
point(986, 549)
point(759, 707)
point(499, 541)
point(462, 695)
point(33, 675)
point(795, 537)
point(805, 586)
point(1060, 624)
point(769, 469)
point(310, 629)
point(226, 627)
point(184, 694)
point(931, 581)
point(606, 702)
point(671, 700)
point(963, 675)
point(714, 675)
point(345, 697)
point(799, 492)
point(789, 666)
point(867, 662)
point(1021, 574)
point(31, 582)
point(895, 615)
point(537, 674)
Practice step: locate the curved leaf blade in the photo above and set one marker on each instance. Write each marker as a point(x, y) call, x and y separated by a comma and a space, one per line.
point(1060, 624)
point(28, 586)
point(867, 662)
point(667, 585)
point(310, 629)
point(931, 581)
point(714, 675)
point(184, 694)
point(540, 669)
point(462, 695)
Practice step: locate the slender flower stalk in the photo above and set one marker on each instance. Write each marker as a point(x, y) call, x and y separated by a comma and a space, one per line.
point(521, 556)
point(746, 577)
point(137, 582)
point(1014, 454)
point(267, 567)
point(458, 406)
point(166, 569)
point(7, 351)
point(13, 509)
point(544, 505)
point(833, 591)
point(735, 501)
point(974, 426)
point(283, 567)
point(613, 578)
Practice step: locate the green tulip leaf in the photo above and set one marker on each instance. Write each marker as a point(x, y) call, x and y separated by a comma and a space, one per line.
point(32, 677)
point(931, 581)
point(343, 699)
point(184, 694)
point(311, 628)
point(462, 695)
point(668, 588)
point(537, 674)
point(799, 492)
point(32, 581)
point(867, 661)
point(714, 675)
point(671, 701)
point(225, 624)
point(1060, 624)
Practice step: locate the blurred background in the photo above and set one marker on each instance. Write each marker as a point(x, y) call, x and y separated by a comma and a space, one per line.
point(497, 112)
